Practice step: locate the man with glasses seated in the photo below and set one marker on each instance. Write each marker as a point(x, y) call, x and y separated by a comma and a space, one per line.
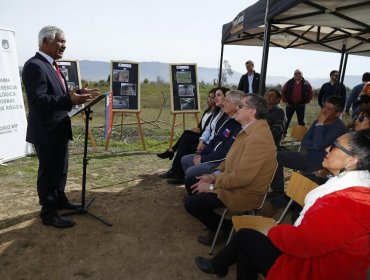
point(333, 87)
point(296, 93)
point(240, 181)
point(321, 134)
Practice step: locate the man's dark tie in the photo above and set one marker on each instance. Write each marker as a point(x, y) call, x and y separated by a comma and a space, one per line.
point(58, 73)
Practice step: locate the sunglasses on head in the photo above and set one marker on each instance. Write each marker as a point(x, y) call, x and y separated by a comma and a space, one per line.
point(360, 118)
point(340, 147)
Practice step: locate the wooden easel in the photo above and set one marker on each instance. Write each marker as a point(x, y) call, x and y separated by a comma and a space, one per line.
point(140, 132)
point(183, 123)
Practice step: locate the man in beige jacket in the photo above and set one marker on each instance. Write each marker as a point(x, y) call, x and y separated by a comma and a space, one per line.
point(241, 181)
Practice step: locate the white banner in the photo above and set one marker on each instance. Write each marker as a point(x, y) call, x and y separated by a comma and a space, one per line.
point(13, 122)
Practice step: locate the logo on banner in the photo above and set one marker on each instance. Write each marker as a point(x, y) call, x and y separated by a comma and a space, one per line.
point(238, 23)
point(5, 44)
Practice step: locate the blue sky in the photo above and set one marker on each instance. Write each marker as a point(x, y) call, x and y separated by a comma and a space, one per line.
point(162, 30)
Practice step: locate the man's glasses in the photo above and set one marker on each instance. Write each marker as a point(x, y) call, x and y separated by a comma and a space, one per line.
point(335, 75)
point(244, 105)
point(340, 147)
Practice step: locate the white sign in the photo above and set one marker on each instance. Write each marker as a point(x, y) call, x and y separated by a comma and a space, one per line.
point(13, 122)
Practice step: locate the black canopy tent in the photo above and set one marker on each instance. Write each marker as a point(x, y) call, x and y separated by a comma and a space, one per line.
point(322, 25)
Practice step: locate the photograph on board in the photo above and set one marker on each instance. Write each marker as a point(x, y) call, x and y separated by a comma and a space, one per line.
point(186, 90)
point(187, 104)
point(121, 102)
point(183, 77)
point(121, 75)
point(128, 89)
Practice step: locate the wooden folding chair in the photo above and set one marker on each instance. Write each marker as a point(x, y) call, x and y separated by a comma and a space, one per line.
point(250, 212)
point(297, 189)
point(297, 134)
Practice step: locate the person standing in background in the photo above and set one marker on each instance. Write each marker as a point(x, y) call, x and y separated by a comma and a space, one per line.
point(333, 87)
point(49, 126)
point(296, 93)
point(249, 82)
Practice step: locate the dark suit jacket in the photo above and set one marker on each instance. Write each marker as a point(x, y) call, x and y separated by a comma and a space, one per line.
point(48, 103)
point(244, 84)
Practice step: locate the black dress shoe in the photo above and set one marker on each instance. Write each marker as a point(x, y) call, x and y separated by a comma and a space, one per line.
point(167, 154)
point(206, 266)
point(67, 205)
point(168, 174)
point(176, 181)
point(58, 222)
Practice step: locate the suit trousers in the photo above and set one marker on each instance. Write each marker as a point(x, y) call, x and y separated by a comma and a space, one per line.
point(52, 177)
point(201, 205)
point(192, 170)
point(252, 251)
point(289, 111)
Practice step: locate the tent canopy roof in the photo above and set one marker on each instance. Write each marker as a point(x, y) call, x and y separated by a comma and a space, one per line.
point(323, 25)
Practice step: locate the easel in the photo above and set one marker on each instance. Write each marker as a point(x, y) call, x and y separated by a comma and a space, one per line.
point(183, 123)
point(140, 132)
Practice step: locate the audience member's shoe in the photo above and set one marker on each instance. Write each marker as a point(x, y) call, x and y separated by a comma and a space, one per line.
point(166, 154)
point(176, 181)
point(166, 175)
point(58, 222)
point(206, 266)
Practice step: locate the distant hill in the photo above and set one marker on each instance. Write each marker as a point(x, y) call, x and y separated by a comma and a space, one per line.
point(99, 70)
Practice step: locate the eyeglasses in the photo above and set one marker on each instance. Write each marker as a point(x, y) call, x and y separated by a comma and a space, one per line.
point(297, 73)
point(360, 119)
point(340, 147)
point(335, 75)
point(244, 105)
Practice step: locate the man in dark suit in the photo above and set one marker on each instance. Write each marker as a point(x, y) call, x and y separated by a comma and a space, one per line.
point(49, 126)
point(249, 82)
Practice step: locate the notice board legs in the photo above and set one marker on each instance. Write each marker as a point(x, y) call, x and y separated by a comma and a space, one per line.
point(183, 124)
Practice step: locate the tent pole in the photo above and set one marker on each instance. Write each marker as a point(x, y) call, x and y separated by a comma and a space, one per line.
point(220, 69)
point(341, 65)
point(265, 52)
point(344, 68)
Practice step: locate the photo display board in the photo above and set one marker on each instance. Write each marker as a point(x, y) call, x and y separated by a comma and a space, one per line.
point(70, 68)
point(71, 72)
point(125, 86)
point(184, 88)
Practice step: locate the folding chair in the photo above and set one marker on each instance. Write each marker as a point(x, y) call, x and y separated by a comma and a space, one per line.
point(250, 212)
point(298, 132)
point(297, 189)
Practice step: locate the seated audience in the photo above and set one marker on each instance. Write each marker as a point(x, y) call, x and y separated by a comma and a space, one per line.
point(321, 134)
point(240, 182)
point(275, 115)
point(353, 97)
point(362, 120)
point(189, 140)
point(329, 240)
point(215, 152)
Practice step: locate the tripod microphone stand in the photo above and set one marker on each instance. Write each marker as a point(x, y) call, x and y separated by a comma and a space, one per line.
point(83, 209)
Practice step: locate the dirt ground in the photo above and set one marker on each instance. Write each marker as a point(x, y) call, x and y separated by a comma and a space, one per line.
point(152, 236)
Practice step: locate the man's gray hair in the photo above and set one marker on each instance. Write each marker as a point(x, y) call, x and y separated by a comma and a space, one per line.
point(49, 32)
point(236, 96)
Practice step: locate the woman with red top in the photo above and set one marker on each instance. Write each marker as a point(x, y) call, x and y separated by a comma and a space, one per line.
point(330, 238)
